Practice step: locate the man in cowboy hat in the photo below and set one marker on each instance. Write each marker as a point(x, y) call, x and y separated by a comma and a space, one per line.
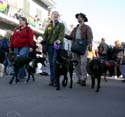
point(81, 31)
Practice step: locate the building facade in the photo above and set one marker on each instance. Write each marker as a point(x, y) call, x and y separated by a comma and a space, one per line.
point(36, 11)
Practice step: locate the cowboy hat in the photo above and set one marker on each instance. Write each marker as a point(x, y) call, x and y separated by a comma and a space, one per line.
point(82, 15)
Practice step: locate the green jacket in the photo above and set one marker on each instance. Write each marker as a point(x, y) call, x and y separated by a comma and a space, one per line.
point(54, 33)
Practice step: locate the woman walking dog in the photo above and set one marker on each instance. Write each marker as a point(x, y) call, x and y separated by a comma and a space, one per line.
point(22, 41)
point(54, 33)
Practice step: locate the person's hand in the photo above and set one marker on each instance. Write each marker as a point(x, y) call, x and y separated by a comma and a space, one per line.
point(58, 41)
point(30, 49)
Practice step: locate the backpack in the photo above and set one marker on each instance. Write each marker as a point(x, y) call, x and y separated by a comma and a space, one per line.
point(103, 49)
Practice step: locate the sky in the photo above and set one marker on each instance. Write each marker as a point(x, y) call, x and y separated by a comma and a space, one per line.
point(105, 17)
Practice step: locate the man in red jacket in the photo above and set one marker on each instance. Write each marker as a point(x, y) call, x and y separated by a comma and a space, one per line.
point(22, 41)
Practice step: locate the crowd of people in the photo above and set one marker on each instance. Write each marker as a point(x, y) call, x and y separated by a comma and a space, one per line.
point(22, 43)
point(115, 54)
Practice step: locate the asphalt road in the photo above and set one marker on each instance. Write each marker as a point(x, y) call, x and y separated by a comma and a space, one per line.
point(40, 100)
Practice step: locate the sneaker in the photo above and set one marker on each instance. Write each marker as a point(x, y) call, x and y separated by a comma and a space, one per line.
point(115, 77)
point(87, 75)
point(120, 77)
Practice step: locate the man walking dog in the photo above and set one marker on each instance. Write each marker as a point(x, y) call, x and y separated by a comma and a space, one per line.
point(81, 32)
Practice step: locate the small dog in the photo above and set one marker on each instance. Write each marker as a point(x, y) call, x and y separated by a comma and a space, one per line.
point(64, 64)
point(95, 71)
point(19, 62)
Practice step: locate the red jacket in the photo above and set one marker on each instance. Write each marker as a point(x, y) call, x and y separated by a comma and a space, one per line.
point(22, 37)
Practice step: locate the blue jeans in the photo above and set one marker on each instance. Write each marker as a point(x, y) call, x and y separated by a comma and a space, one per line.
point(5, 63)
point(52, 54)
point(52, 59)
point(122, 69)
point(24, 51)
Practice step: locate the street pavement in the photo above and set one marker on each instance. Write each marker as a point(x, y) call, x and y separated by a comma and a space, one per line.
point(38, 99)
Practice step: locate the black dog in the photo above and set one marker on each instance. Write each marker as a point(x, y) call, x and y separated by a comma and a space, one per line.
point(64, 64)
point(95, 71)
point(107, 65)
point(27, 62)
point(104, 68)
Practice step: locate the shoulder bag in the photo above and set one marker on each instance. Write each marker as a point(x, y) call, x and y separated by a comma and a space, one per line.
point(79, 46)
